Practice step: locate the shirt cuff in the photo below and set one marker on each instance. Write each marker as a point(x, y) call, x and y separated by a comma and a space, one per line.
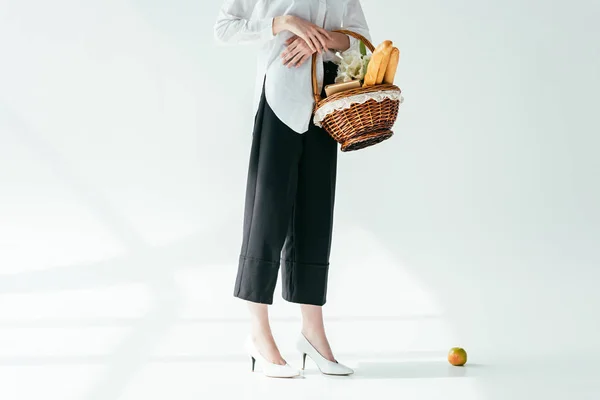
point(266, 28)
point(354, 44)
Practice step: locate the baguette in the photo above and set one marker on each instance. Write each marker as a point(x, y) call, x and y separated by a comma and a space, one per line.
point(390, 72)
point(375, 64)
point(387, 52)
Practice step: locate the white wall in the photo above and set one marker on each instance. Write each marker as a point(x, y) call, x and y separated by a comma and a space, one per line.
point(124, 139)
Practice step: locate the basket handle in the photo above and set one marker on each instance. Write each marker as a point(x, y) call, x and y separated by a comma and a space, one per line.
point(314, 60)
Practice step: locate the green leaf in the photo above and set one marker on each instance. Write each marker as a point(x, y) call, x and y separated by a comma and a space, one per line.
point(363, 49)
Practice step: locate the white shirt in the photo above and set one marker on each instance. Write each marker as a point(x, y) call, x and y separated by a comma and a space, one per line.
point(287, 90)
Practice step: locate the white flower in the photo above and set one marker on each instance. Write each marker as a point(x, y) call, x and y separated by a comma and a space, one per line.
point(351, 65)
point(355, 67)
point(349, 56)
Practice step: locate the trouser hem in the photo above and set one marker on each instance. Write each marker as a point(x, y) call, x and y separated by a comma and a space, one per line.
point(304, 283)
point(256, 280)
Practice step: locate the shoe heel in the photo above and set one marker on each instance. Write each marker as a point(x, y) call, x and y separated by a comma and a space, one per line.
point(324, 365)
point(253, 362)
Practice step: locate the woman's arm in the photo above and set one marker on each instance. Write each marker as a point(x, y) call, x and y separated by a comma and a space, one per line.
point(338, 42)
point(235, 25)
point(298, 51)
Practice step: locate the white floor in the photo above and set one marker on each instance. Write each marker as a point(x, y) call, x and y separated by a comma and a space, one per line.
point(130, 371)
point(179, 336)
point(159, 323)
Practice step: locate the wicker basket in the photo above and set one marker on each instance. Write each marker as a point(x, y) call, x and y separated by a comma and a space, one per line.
point(362, 124)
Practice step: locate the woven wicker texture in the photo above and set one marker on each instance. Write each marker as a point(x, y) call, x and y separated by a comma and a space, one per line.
point(361, 125)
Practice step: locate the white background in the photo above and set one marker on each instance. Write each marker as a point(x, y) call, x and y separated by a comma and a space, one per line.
point(124, 142)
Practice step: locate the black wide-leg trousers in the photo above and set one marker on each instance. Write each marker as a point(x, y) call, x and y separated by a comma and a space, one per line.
point(288, 215)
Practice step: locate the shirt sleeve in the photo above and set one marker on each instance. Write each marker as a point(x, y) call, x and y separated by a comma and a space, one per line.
point(354, 20)
point(235, 23)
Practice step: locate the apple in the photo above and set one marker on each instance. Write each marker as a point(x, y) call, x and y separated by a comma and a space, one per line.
point(457, 356)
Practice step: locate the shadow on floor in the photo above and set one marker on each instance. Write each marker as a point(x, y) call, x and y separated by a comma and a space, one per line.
point(411, 370)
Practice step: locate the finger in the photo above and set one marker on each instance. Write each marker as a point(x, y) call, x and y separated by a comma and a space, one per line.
point(290, 56)
point(309, 42)
point(291, 40)
point(328, 36)
point(325, 32)
point(294, 60)
point(294, 44)
point(290, 62)
point(303, 60)
point(289, 49)
point(322, 40)
point(287, 58)
point(316, 43)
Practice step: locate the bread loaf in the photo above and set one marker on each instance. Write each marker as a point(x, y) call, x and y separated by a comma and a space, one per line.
point(375, 64)
point(386, 52)
point(390, 71)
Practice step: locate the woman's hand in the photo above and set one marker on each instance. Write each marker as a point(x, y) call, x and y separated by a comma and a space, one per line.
point(296, 53)
point(315, 37)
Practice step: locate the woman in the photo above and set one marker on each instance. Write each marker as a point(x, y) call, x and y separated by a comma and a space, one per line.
point(290, 192)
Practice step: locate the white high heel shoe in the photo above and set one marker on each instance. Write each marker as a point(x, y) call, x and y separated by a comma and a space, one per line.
point(269, 369)
point(325, 366)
